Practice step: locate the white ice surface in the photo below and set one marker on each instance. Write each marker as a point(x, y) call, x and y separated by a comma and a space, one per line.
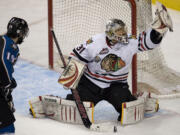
point(34, 80)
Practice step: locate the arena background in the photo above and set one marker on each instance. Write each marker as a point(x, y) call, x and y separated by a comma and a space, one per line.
point(174, 4)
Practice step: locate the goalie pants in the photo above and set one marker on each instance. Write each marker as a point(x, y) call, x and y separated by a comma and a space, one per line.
point(6, 115)
point(116, 94)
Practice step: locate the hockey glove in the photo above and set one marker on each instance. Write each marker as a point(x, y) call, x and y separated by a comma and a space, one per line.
point(6, 94)
point(11, 106)
point(71, 75)
point(7, 90)
point(162, 21)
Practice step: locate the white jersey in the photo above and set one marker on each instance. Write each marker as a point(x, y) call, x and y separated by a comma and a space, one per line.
point(107, 64)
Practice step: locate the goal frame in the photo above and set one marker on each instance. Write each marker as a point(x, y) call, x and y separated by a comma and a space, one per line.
point(133, 31)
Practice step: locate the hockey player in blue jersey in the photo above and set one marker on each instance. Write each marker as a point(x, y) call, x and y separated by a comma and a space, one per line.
point(17, 30)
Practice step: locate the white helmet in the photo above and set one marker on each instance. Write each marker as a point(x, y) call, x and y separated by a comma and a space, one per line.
point(116, 31)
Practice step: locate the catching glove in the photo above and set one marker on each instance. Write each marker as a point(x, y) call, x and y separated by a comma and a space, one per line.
point(162, 21)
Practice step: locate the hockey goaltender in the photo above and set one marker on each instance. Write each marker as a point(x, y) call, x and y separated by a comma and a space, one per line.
point(98, 70)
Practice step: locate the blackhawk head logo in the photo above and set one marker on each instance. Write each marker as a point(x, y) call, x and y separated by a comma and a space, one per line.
point(112, 63)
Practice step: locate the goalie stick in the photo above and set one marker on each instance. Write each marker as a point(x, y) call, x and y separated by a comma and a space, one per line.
point(82, 111)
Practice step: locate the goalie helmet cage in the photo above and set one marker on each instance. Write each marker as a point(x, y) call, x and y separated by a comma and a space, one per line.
point(75, 21)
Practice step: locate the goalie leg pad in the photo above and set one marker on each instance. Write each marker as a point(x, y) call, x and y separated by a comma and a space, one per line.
point(151, 105)
point(63, 110)
point(132, 112)
point(36, 107)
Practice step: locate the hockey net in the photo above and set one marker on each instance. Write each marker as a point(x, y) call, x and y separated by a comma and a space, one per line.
point(75, 21)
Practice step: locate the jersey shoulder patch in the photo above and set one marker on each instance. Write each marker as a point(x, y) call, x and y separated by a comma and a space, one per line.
point(89, 41)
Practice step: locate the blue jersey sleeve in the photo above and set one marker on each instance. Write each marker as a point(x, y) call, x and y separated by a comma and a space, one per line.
point(8, 55)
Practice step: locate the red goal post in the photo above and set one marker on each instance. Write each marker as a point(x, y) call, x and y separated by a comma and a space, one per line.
point(50, 38)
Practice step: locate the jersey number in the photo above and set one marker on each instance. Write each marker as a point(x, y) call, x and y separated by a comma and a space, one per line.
point(80, 49)
point(11, 58)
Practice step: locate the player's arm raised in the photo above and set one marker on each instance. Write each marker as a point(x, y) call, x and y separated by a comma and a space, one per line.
point(151, 38)
point(162, 21)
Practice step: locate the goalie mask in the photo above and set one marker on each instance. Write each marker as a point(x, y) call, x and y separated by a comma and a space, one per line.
point(17, 28)
point(116, 31)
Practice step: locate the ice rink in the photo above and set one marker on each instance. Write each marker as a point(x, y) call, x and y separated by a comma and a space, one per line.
point(34, 79)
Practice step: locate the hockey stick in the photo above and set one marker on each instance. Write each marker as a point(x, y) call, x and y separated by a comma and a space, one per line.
point(82, 111)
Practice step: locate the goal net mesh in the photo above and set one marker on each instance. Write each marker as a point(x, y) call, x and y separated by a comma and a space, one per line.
point(75, 21)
